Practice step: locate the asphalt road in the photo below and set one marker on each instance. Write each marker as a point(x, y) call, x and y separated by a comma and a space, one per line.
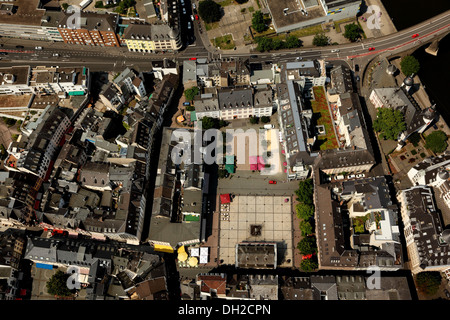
point(112, 59)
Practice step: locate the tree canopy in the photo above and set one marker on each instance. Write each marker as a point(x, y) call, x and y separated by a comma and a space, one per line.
point(209, 11)
point(258, 21)
point(305, 191)
point(254, 120)
point(409, 65)
point(212, 123)
point(191, 93)
point(352, 32)
point(390, 123)
point(265, 119)
point(428, 282)
point(304, 211)
point(307, 245)
point(321, 40)
point(57, 284)
point(436, 141)
point(305, 227)
point(309, 265)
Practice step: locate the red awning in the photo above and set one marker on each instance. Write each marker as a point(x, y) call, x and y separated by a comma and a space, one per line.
point(225, 198)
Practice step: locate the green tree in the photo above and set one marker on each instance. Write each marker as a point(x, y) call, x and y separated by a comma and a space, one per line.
point(222, 173)
point(390, 123)
point(309, 265)
point(265, 119)
point(409, 65)
point(307, 245)
point(209, 123)
point(414, 138)
point(305, 227)
point(304, 211)
point(254, 120)
point(428, 282)
point(99, 4)
point(209, 11)
point(321, 40)
point(278, 44)
point(292, 42)
point(264, 44)
point(190, 108)
point(305, 191)
point(258, 22)
point(57, 284)
point(191, 93)
point(352, 32)
point(65, 6)
point(436, 141)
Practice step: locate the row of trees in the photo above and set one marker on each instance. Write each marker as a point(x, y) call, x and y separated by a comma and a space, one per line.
point(263, 119)
point(267, 44)
point(305, 212)
point(353, 32)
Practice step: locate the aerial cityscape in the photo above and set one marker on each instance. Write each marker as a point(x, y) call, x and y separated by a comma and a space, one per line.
point(226, 150)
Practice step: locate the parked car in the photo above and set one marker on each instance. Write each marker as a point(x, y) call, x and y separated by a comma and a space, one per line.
point(360, 175)
point(272, 182)
point(184, 10)
point(193, 6)
point(352, 176)
point(56, 54)
point(447, 294)
point(269, 126)
point(186, 103)
point(196, 17)
point(38, 48)
point(357, 78)
point(356, 67)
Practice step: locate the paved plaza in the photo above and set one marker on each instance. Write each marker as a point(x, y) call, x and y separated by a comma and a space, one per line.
point(270, 212)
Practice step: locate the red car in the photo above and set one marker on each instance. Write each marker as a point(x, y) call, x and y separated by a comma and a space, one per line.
point(371, 48)
point(192, 58)
point(196, 17)
point(272, 182)
point(415, 35)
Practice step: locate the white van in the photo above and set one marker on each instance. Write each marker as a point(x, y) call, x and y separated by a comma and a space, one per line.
point(269, 126)
point(38, 48)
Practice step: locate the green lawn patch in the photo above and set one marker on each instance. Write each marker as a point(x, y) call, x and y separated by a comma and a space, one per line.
point(210, 26)
point(251, 9)
point(308, 31)
point(225, 3)
point(224, 43)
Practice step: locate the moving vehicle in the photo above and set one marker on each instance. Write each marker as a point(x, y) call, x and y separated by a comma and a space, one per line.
point(4, 53)
point(356, 67)
point(371, 48)
point(192, 17)
point(272, 182)
point(335, 50)
point(19, 47)
point(56, 54)
point(38, 48)
point(415, 35)
point(193, 59)
point(298, 58)
point(357, 78)
point(189, 25)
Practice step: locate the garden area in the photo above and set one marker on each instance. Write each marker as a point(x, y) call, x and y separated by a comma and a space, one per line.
point(322, 116)
point(224, 43)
